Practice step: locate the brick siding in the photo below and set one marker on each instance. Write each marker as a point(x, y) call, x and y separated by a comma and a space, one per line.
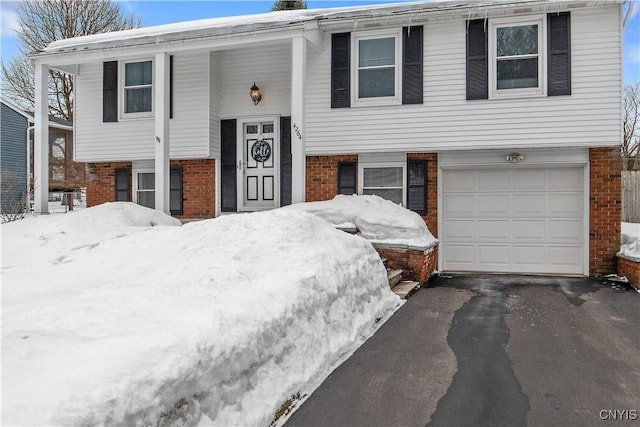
point(322, 176)
point(198, 185)
point(605, 209)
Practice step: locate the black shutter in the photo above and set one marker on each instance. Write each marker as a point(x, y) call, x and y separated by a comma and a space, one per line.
point(175, 191)
point(285, 161)
point(477, 54)
point(412, 65)
point(340, 73)
point(347, 178)
point(417, 186)
point(110, 91)
point(559, 54)
point(171, 87)
point(228, 187)
point(122, 185)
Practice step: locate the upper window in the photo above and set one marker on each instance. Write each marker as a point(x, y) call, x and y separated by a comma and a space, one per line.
point(376, 75)
point(517, 58)
point(138, 85)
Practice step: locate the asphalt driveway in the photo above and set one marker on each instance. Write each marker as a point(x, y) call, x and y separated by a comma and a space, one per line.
point(493, 350)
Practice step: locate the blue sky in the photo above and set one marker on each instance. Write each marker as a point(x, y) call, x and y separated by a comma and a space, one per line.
point(164, 12)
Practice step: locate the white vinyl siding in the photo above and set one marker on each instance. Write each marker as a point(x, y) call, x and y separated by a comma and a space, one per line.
point(133, 139)
point(590, 116)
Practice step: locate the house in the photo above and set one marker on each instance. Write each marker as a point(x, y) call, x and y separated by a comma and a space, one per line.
point(498, 121)
point(13, 158)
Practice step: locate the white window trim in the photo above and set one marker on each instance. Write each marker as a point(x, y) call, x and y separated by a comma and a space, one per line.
point(121, 89)
point(541, 90)
point(362, 166)
point(356, 101)
point(135, 182)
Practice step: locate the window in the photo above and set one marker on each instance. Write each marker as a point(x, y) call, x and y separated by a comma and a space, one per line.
point(145, 186)
point(138, 84)
point(386, 181)
point(376, 75)
point(517, 58)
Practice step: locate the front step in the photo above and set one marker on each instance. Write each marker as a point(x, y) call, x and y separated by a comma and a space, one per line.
point(405, 288)
point(394, 277)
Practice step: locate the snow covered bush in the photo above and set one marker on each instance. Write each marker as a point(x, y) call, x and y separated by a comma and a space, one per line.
point(109, 318)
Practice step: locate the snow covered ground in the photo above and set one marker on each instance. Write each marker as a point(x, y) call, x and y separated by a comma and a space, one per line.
point(117, 315)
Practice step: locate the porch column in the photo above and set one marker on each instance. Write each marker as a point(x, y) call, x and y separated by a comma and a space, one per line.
point(161, 112)
point(41, 140)
point(298, 151)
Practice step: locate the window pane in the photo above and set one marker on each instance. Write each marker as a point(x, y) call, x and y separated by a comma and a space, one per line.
point(376, 82)
point(517, 73)
point(137, 73)
point(138, 100)
point(147, 198)
point(383, 177)
point(146, 181)
point(521, 40)
point(376, 52)
point(393, 194)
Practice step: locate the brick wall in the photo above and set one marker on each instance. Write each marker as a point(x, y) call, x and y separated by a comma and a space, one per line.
point(322, 176)
point(198, 185)
point(631, 270)
point(416, 265)
point(605, 209)
point(431, 218)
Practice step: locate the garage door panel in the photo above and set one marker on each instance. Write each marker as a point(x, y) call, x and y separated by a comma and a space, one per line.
point(529, 204)
point(459, 181)
point(516, 220)
point(457, 205)
point(458, 229)
point(493, 229)
point(527, 179)
point(492, 180)
point(565, 230)
point(492, 205)
point(493, 255)
point(529, 229)
point(565, 205)
point(566, 179)
point(528, 255)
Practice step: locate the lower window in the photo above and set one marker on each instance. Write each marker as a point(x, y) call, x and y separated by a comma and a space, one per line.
point(146, 190)
point(384, 181)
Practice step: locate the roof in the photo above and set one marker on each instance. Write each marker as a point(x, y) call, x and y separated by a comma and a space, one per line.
point(54, 121)
point(302, 19)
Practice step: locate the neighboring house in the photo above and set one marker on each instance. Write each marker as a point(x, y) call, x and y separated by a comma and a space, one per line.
point(498, 121)
point(65, 175)
point(14, 124)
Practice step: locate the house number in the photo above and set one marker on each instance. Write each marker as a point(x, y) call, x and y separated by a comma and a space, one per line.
point(296, 129)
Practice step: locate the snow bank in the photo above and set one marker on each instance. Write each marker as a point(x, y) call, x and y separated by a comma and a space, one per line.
point(377, 219)
point(219, 320)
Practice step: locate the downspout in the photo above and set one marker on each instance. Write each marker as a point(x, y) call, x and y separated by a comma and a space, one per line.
point(28, 193)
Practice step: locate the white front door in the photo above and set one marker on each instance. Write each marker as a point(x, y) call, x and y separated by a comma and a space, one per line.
point(258, 159)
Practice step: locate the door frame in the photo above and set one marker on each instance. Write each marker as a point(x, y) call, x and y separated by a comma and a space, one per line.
point(240, 141)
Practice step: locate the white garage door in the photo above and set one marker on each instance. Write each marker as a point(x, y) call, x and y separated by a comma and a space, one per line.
point(518, 220)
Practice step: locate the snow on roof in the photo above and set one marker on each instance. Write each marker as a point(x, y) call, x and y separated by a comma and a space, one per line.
point(225, 26)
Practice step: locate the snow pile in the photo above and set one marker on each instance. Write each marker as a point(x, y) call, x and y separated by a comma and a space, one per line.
point(630, 239)
point(110, 321)
point(377, 219)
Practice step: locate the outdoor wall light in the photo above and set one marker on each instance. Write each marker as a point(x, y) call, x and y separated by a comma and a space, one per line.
point(515, 157)
point(255, 94)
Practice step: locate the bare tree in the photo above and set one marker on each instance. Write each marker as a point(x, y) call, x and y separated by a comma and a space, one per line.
point(631, 122)
point(288, 5)
point(44, 21)
point(14, 199)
